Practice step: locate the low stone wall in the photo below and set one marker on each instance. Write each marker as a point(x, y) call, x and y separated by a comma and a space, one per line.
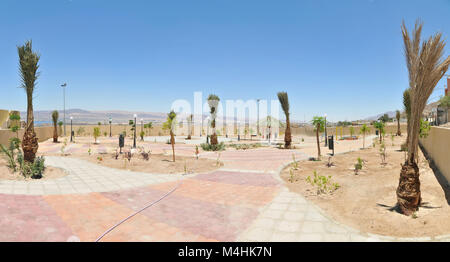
point(309, 131)
point(43, 133)
point(437, 147)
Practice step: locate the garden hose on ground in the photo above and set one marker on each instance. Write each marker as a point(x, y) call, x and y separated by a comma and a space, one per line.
point(140, 210)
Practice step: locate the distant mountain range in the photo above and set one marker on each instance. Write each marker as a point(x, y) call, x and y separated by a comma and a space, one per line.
point(81, 116)
point(373, 118)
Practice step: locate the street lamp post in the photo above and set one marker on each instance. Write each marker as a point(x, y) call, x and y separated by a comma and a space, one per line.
point(326, 137)
point(110, 130)
point(71, 132)
point(64, 102)
point(135, 126)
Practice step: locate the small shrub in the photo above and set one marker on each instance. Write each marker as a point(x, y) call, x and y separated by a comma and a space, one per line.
point(322, 183)
point(211, 147)
point(291, 175)
point(383, 153)
point(295, 163)
point(197, 152)
point(358, 165)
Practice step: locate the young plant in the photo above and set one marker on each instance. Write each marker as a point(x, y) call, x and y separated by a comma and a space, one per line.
point(323, 184)
point(218, 160)
point(63, 147)
point(96, 134)
point(291, 175)
point(358, 165)
point(383, 154)
point(197, 152)
point(294, 162)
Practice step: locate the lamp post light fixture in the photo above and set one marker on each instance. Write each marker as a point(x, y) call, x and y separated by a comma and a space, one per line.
point(135, 126)
point(64, 102)
point(71, 132)
point(326, 137)
point(110, 131)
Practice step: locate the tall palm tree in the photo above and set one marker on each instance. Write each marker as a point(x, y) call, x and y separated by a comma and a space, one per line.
point(426, 67)
point(319, 123)
point(284, 101)
point(170, 125)
point(364, 129)
point(55, 116)
point(397, 116)
point(213, 102)
point(28, 67)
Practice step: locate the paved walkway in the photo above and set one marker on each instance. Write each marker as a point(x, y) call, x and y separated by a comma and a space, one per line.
point(244, 201)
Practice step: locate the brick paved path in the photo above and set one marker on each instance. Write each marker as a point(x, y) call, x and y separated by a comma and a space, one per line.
point(244, 201)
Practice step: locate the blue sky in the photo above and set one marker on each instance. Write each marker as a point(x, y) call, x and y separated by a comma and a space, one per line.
point(343, 58)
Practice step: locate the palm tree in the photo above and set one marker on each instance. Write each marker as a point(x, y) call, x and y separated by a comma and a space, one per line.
point(364, 129)
point(380, 126)
point(426, 67)
point(170, 125)
point(28, 67)
point(407, 106)
point(213, 102)
point(397, 116)
point(284, 101)
point(55, 116)
point(319, 123)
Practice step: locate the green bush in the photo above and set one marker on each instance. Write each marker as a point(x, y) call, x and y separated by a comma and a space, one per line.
point(322, 183)
point(210, 147)
point(245, 146)
point(16, 162)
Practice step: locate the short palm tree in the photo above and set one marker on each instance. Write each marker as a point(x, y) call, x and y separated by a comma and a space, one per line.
point(55, 116)
point(284, 101)
point(213, 102)
point(319, 124)
point(397, 116)
point(170, 125)
point(426, 66)
point(364, 130)
point(28, 67)
point(407, 106)
point(380, 126)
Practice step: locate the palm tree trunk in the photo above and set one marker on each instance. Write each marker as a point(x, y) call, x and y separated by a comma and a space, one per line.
point(408, 191)
point(55, 133)
point(318, 143)
point(287, 134)
point(29, 142)
point(172, 141)
point(214, 135)
point(399, 133)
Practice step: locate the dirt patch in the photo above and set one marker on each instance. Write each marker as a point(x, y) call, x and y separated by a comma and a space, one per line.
point(157, 163)
point(366, 201)
point(49, 173)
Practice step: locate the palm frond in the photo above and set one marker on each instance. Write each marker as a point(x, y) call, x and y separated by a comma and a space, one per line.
point(284, 101)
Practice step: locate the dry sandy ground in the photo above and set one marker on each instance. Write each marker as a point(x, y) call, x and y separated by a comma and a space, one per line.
point(49, 173)
point(157, 163)
point(365, 201)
